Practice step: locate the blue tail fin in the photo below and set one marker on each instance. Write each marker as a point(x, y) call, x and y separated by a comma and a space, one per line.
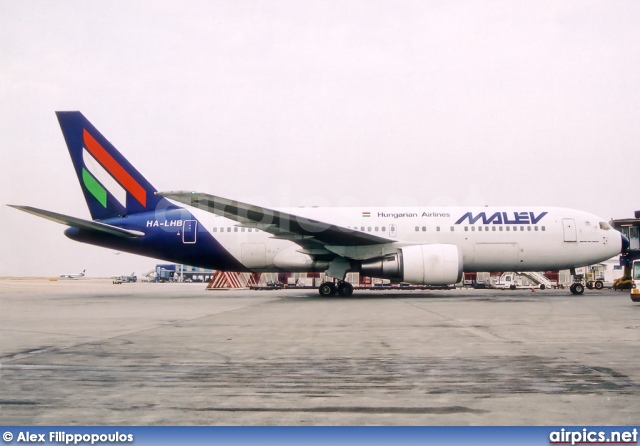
point(111, 186)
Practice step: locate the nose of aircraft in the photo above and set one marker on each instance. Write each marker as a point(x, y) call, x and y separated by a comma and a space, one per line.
point(625, 243)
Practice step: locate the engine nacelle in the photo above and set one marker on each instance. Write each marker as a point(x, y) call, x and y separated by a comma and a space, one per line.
point(435, 264)
point(431, 264)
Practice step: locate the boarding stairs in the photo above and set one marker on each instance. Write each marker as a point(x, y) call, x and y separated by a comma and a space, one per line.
point(537, 278)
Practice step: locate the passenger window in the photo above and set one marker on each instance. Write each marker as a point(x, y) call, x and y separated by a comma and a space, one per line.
point(493, 228)
point(473, 228)
point(249, 229)
point(215, 229)
point(501, 228)
point(235, 229)
point(452, 228)
point(438, 228)
point(384, 228)
point(376, 229)
point(466, 228)
point(535, 228)
point(424, 228)
point(228, 229)
point(417, 228)
point(479, 228)
point(522, 228)
point(508, 228)
point(242, 230)
point(528, 228)
point(362, 228)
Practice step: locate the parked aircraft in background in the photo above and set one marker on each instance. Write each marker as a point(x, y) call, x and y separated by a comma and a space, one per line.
point(421, 245)
point(73, 276)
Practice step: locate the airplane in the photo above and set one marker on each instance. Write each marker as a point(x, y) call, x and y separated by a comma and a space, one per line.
point(72, 276)
point(419, 245)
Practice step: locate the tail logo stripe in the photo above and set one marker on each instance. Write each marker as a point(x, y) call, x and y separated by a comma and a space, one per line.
point(104, 178)
point(94, 187)
point(115, 169)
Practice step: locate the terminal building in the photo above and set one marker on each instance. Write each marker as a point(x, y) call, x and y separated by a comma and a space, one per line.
point(182, 273)
point(630, 227)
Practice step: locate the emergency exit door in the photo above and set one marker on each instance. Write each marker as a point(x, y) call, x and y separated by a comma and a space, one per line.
point(570, 233)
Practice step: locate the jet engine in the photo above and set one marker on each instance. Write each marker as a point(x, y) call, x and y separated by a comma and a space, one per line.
point(435, 264)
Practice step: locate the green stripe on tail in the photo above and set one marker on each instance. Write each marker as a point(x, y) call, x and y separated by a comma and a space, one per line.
point(94, 187)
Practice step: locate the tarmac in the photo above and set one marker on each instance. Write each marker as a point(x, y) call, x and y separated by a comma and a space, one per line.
point(87, 352)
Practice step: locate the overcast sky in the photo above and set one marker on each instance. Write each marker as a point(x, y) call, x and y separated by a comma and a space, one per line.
point(318, 103)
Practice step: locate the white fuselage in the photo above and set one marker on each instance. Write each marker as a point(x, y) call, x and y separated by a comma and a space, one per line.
point(488, 238)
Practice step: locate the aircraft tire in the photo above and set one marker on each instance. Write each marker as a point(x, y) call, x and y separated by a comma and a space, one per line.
point(578, 288)
point(345, 289)
point(572, 288)
point(542, 287)
point(327, 289)
point(599, 285)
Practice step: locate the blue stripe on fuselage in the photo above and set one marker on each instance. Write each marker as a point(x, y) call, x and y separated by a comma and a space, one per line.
point(163, 239)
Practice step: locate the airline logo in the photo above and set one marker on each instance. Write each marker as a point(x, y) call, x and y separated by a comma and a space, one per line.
point(102, 173)
point(503, 218)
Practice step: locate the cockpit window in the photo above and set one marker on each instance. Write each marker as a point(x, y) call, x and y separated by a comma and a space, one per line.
point(605, 226)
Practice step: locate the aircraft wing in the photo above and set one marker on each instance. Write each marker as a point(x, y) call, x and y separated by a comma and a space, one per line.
point(86, 225)
point(300, 230)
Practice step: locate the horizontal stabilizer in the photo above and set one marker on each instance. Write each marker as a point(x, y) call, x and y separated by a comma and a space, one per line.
point(80, 223)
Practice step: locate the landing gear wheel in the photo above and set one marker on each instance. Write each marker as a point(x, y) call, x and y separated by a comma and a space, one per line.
point(542, 287)
point(345, 289)
point(599, 285)
point(327, 289)
point(577, 288)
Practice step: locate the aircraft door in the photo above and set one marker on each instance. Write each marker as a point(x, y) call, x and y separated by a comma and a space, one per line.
point(570, 234)
point(189, 231)
point(393, 231)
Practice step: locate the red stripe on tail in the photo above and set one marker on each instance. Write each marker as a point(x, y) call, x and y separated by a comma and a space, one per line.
point(115, 169)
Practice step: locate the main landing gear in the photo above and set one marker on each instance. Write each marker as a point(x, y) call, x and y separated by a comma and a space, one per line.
point(577, 288)
point(344, 289)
